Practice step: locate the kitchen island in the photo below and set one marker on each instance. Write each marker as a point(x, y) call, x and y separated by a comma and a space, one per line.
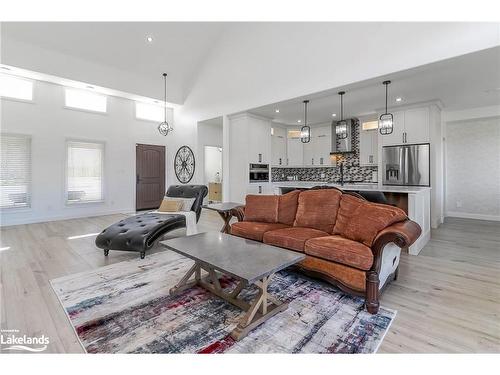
point(414, 200)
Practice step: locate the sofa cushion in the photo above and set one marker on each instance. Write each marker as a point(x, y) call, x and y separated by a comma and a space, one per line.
point(341, 250)
point(360, 220)
point(287, 207)
point(318, 209)
point(253, 230)
point(292, 238)
point(263, 208)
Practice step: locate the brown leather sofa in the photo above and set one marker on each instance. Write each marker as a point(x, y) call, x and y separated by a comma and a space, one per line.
point(348, 241)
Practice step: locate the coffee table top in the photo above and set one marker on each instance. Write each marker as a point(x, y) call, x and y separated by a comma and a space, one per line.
point(245, 259)
point(224, 206)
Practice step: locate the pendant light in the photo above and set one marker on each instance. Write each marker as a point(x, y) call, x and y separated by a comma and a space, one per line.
point(164, 128)
point(386, 120)
point(341, 127)
point(305, 131)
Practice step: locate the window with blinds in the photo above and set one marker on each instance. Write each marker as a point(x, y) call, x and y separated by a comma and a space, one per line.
point(84, 175)
point(15, 174)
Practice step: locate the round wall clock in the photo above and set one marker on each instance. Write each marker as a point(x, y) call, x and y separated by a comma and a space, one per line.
point(184, 164)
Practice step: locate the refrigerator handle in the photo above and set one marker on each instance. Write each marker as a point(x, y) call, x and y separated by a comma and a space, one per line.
point(405, 165)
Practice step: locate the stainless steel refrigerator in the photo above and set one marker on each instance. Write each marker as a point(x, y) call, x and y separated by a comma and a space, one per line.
point(407, 165)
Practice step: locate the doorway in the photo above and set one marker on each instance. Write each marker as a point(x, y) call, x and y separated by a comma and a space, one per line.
point(210, 153)
point(150, 176)
point(213, 172)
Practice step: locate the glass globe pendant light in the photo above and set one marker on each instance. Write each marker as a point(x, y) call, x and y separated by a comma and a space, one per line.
point(341, 127)
point(386, 120)
point(164, 128)
point(305, 131)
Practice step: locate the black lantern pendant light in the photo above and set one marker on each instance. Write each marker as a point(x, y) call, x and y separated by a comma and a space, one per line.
point(386, 120)
point(305, 131)
point(164, 128)
point(341, 127)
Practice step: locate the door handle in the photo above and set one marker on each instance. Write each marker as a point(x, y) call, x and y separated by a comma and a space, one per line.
point(279, 161)
point(312, 161)
point(137, 179)
point(321, 161)
point(260, 158)
point(260, 189)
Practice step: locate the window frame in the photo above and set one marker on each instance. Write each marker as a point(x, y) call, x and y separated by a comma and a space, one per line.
point(65, 106)
point(68, 203)
point(28, 207)
point(21, 100)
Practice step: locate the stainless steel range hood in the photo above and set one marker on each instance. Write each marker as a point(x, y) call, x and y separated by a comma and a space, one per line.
point(343, 146)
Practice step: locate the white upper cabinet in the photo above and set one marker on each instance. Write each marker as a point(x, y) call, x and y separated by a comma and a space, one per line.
point(417, 125)
point(322, 139)
point(295, 148)
point(410, 126)
point(259, 139)
point(397, 135)
point(278, 146)
point(368, 147)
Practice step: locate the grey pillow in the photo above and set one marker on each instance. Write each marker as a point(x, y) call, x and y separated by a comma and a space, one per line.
point(187, 203)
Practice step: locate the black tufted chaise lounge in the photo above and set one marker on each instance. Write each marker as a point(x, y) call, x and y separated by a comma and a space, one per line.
point(139, 233)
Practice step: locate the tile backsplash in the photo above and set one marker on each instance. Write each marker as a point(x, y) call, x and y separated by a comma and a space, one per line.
point(352, 170)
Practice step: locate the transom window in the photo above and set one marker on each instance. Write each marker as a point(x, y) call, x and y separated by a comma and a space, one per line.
point(15, 87)
point(86, 100)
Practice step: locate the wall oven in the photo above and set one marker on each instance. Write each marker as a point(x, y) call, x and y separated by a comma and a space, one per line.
point(258, 173)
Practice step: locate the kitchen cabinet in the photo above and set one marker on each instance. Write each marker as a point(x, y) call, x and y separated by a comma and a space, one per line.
point(417, 125)
point(260, 188)
point(410, 126)
point(259, 140)
point(322, 139)
point(278, 146)
point(368, 147)
point(396, 137)
point(295, 150)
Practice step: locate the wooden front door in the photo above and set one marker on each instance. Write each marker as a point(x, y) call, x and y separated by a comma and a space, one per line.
point(150, 176)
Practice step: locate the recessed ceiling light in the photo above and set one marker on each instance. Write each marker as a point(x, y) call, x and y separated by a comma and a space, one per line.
point(149, 39)
point(277, 110)
point(334, 115)
point(299, 121)
point(399, 99)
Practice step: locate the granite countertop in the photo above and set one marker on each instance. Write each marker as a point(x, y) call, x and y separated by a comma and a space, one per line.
point(361, 186)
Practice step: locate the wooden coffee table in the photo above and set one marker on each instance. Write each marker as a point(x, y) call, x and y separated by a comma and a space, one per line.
point(250, 262)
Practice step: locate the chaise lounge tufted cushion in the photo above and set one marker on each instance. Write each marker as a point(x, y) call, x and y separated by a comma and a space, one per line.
point(361, 221)
point(341, 250)
point(138, 233)
point(292, 238)
point(253, 230)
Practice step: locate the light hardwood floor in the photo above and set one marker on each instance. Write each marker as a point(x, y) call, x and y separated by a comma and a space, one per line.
point(448, 297)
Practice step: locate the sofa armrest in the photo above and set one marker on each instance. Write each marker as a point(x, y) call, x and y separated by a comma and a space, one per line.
point(238, 212)
point(403, 234)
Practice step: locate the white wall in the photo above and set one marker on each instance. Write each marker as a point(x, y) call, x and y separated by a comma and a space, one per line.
point(473, 163)
point(50, 124)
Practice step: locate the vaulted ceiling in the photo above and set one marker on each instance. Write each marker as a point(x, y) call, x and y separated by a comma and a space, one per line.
point(114, 54)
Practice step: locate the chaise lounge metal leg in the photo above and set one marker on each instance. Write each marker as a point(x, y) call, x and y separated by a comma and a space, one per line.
point(106, 252)
point(143, 254)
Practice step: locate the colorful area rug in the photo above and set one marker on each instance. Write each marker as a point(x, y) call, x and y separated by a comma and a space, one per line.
point(126, 308)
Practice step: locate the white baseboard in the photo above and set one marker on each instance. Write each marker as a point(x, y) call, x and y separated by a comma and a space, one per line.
point(6, 222)
point(465, 215)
